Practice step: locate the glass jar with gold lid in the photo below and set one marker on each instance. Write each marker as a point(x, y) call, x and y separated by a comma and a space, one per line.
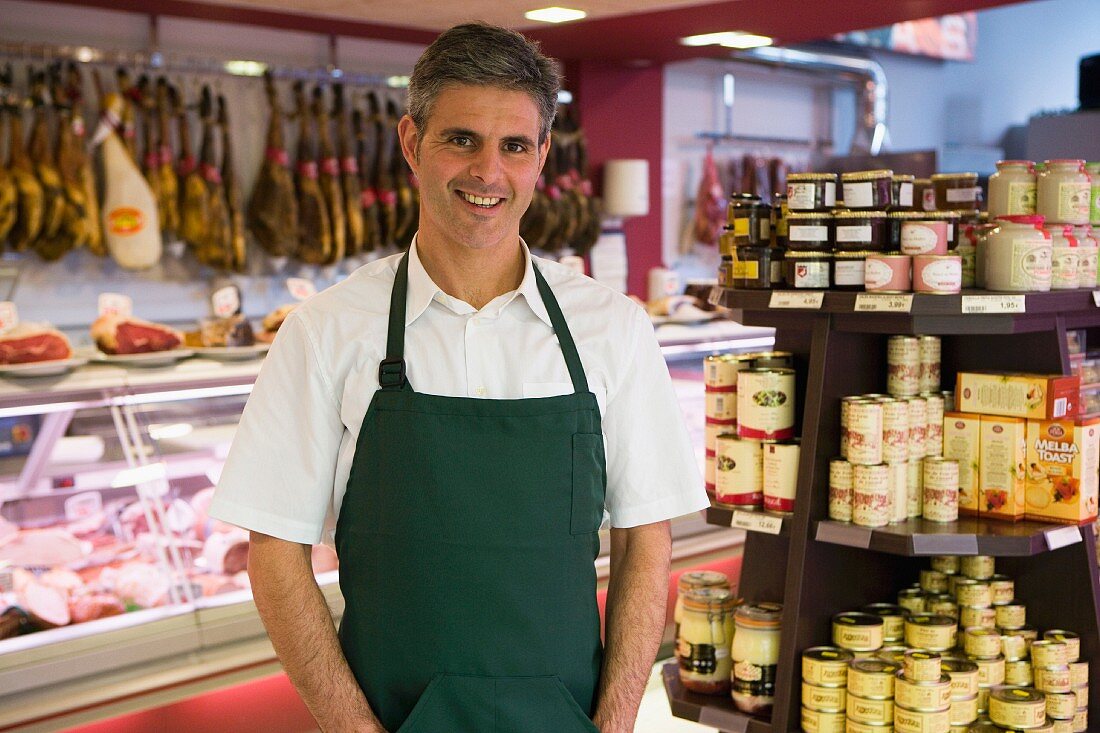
point(705, 639)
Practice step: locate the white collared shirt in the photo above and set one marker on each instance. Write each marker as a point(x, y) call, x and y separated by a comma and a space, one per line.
point(288, 466)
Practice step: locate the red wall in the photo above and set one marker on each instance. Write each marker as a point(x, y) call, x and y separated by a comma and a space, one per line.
point(621, 109)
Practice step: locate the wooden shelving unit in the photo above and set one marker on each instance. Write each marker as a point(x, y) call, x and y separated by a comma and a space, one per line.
point(817, 567)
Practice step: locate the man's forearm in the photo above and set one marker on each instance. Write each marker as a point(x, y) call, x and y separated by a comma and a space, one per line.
point(636, 597)
point(297, 619)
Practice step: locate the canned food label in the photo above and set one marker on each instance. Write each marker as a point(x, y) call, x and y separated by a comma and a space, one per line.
point(800, 196)
point(942, 275)
point(780, 477)
point(876, 274)
point(1031, 263)
point(765, 405)
point(739, 475)
point(895, 432)
point(808, 233)
point(865, 433)
point(811, 275)
point(756, 680)
point(922, 238)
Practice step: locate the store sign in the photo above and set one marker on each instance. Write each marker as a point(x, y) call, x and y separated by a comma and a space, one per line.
point(993, 304)
point(953, 37)
point(1062, 537)
point(226, 301)
point(300, 288)
point(115, 304)
point(883, 303)
point(756, 522)
point(795, 299)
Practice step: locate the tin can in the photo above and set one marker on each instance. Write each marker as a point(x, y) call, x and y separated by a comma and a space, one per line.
point(991, 670)
point(888, 273)
point(894, 654)
point(983, 699)
point(895, 431)
point(893, 620)
point(973, 593)
point(1028, 633)
point(865, 433)
point(918, 427)
point(914, 494)
point(739, 472)
point(854, 726)
point(1079, 673)
point(871, 678)
point(930, 359)
point(948, 400)
point(912, 600)
point(946, 564)
point(1048, 652)
point(1013, 647)
point(964, 677)
point(933, 581)
point(903, 366)
point(818, 722)
point(964, 710)
point(721, 406)
point(944, 605)
point(927, 631)
point(845, 417)
point(1061, 705)
point(1082, 694)
point(922, 666)
point(858, 632)
point(1018, 673)
point(720, 371)
point(1081, 720)
point(826, 666)
point(780, 476)
point(840, 490)
point(712, 431)
point(1070, 639)
point(899, 490)
point(1016, 707)
point(824, 699)
point(1061, 726)
point(921, 721)
point(1011, 615)
point(982, 642)
point(868, 710)
point(941, 489)
point(979, 567)
point(871, 495)
point(1055, 678)
point(765, 404)
point(1003, 589)
point(933, 434)
point(771, 359)
point(974, 616)
point(937, 274)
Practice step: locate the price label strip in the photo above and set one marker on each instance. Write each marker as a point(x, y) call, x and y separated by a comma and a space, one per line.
point(755, 522)
point(300, 288)
point(839, 533)
point(9, 316)
point(794, 299)
point(883, 303)
point(226, 301)
point(993, 304)
point(115, 304)
point(1062, 537)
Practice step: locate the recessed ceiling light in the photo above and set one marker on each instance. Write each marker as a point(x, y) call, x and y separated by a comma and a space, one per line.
point(245, 68)
point(554, 14)
point(728, 39)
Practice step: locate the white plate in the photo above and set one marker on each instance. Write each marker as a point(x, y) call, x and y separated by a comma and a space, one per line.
point(147, 359)
point(232, 353)
point(42, 368)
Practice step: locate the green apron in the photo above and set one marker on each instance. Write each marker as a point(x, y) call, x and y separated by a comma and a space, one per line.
point(467, 540)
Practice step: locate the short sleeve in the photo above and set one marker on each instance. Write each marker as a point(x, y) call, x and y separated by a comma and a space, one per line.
point(652, 473)
point(278, 477)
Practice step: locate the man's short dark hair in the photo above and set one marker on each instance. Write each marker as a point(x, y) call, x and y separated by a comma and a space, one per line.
point(479, 54)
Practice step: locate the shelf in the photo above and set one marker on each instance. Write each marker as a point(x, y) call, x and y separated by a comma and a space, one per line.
point(968, 536)
point(716, 711)
point(751, 521)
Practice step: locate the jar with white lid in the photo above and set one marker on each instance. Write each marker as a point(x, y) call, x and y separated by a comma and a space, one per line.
point(1064, 190)
point(1012, 188)
point(1088, 255)
point(1064, 257)
point(1017, 255)
point(755, 656)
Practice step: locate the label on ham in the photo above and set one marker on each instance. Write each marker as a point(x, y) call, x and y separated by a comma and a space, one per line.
point(211, 174)
point(300, 288)
point(78, 126)
point(9, 316)
point(554, 193)
point(186, 166)
point(308, 169)
point(165, 155)
point(348, 165)
point(388, 198)
point(226, 301)
point(115, 304)
point(330, 167)
point(368, 197)
point(277, 156)
point(152, 159)
point(125, 220)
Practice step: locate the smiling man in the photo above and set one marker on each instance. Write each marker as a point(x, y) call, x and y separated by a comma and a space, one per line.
point(465, 415)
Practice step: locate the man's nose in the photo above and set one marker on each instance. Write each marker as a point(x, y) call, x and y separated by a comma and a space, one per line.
point(487, 164)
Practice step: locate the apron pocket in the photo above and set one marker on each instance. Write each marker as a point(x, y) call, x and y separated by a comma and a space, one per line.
point(589, 481)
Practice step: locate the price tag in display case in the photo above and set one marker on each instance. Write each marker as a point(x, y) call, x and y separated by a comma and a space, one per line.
point(9, 316)
point(115, 304)
point(226, 301)
point(993, 304)
point(1062, 537)
point(795, 299)
point(755, 522)
point(883, 303)
point(300, 288)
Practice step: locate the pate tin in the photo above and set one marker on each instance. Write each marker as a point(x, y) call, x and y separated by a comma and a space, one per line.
point(739, 472)
point(865, 433)
point(1018, 673)
point(720, 371)
point(899, 490)
point(826, 666)
point(818, 722)
point(931, 632)
point(895, 431)
point(933, 581)
point(903, 366)
point(889, 272)
point(867, 710)
point(1003, 589)
point(930, 363)
point(977, 616)
point(941, 490)
point(1055, 678)
point(922, 666)
point(937, 274)
point(1081, 720)
point(982, 642)
point(871, 495)
point(918, 427)
point(1011, 615)
point(1061, 705)
point(922, 695)
point(771, 359)
point(892, 654)
point(964, 677)
point(946, 564)
point(854, 726)
point(1079, 673)
point(979, 567)
point(1013, 647)
point(991, 670)
point(1082, 693)
point(840, 490)
point(893, 620)
point(1017, 707)
point(765, 404)
point(912, 600)
point(914, 493)
point(944, 605)
point(845, 412)
point(858, 632)
point(721, 406)
point(872, 678)
point(1070, 639)
point(933, 436)
point(973, 593)
point(964, 710)
point(824, 699)
point(780, 476)
point(1048, 652)
point(921, 721)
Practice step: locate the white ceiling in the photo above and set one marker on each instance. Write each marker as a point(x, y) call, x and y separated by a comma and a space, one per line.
point(438, 15)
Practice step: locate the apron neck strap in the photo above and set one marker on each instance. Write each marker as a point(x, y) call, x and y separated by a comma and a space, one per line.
point(565, 338)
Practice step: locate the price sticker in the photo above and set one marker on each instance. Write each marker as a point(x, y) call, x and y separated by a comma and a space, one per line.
point(226, 301)
point(993, 304)
point(753, 522)
point(883, 303)
point(1062, 537)
point(794, 299)
point(9, 316)
point(300, 288)
point(115, 304)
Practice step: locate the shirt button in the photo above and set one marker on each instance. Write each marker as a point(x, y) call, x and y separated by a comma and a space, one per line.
point(480, 391)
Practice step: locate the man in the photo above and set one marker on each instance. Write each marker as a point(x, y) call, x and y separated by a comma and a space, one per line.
point(450, 408)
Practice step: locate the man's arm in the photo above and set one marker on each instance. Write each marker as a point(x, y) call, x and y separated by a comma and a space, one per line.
point(636, 597)
point(297, 619)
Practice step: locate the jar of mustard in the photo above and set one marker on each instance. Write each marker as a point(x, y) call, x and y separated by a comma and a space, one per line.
point(1017, 256)
point(1093, 169)
point(1012, 188)
point(755, 656)
point(1064, 190)
point(706, 635)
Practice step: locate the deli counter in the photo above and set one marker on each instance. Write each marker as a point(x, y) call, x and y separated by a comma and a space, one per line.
point(117, 591)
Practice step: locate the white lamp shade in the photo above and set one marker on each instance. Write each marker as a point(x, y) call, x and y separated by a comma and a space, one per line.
point(626, 187)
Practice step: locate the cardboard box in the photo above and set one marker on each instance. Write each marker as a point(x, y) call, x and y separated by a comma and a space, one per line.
point(962, 443)
point(1001, 473)
point(1034, 396)
point(1063, 457)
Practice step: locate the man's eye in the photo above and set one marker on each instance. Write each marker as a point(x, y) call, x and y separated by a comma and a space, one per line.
point(515, 147)
point(461, 141)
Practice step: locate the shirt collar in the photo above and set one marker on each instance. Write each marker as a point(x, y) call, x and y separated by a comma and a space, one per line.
point(423, 290)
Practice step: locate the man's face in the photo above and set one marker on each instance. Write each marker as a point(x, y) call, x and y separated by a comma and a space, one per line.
point(477, 162)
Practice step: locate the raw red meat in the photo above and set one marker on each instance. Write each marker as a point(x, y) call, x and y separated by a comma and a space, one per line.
point(115, 335)
point(29, 342)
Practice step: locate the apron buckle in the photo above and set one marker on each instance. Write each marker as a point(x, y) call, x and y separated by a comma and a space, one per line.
point(391, 373)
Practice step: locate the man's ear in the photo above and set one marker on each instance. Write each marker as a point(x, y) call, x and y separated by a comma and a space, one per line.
point(410, 138)
point(544, 152)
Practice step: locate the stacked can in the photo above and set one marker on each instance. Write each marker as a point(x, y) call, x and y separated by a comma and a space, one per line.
point(870, 699)
point(720, 378)
point(964, 691)
point(824, 688)
point(755, 474)
point(1062, 677)
point(922, 694)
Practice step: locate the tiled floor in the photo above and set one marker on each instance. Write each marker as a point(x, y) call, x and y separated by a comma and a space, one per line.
point(654, 715)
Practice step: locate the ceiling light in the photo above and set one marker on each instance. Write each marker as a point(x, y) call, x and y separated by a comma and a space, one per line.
point(397, 82)
point(728, 39)
point(554, 14)
point(245, 68)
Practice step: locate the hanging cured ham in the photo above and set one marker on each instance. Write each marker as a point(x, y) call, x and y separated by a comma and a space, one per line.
point(383, 171)
point(194, 206)
point(329, 180)
point(83, 162)
point(29, 195)
point(150, 165)
point(314, 230)
point(233, 198)
point(213, 248)
point(349, 174)
point(74, 226)
point(368, 196)
point(402, 182)
point(8, 194)
point(127, 128)
point(129, 208)
point(168, 186)
point(710, 210)
point(273, 208)
point(51, 243)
